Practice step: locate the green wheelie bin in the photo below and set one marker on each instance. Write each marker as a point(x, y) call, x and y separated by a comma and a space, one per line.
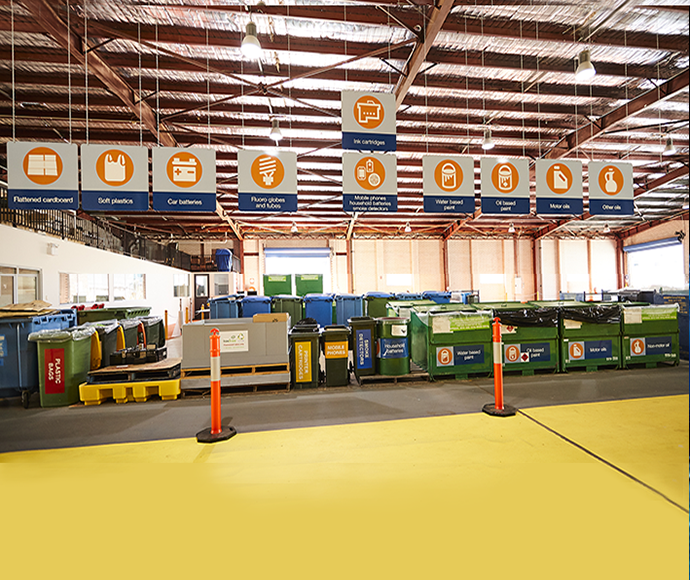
point(64, 360)
point(392, 346)
point(290, 304)
point(334, 345)
point(304, 356)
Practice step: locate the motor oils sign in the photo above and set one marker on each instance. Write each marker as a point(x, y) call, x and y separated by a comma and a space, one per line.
point(559, 187)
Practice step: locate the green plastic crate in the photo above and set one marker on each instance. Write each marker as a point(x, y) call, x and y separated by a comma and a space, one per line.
point(308, 284)
point(589, 344)
point(277, 284)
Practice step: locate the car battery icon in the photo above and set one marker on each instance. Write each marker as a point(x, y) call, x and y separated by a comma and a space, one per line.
point(184, 171)
point(368, 111)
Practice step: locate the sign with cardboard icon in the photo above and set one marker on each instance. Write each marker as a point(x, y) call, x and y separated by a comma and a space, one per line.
point(448, 184)
point(368, 121)
point(267, 181)
point(505, 186)
point(114, 178)
point(184, 179)
point(610, 188)
point(559, 187)
point(42, 175)
point(370, 182)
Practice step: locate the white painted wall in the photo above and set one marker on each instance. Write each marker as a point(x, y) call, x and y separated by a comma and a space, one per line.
point(25, 249)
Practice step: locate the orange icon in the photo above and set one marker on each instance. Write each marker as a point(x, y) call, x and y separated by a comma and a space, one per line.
point(42, 165)
point(267, 171)
point(637, 346)
point(576, 351)
point(184, 169)
point(611, 180)
point(448, 175)
point(505, 177)
point(512, 353)
point(369, 173)
point(444, 357)
point(114, 167)
point(368, 112)
point(559, 178)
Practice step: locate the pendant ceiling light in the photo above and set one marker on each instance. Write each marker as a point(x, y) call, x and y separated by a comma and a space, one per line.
point(251, 47)
point(488, 141)
point(670, 148)
point(585, 69)
point(275, 134)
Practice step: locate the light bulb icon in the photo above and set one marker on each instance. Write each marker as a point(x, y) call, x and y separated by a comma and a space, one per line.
point(267, 169)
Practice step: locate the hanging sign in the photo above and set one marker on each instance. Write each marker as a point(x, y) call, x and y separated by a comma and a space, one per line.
point(505, 186)
point(368, 121)
point(114, 178)
point(559, 187)
point(267, 181)
point(610, 188)
point(448, 184)
point(184, 179)
point(370, 182)
point(42, 176)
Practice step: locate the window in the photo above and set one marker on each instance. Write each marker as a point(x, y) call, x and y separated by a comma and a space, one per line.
point(180, 285)
point(129, 286)
point(18, 285)
point(75, 288)
point(656, 265)
point(221, 284)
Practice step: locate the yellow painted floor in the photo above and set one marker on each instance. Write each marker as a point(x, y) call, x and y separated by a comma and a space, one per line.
point(591, 491)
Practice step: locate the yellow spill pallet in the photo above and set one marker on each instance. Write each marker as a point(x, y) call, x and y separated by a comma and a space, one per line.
point(140, 391)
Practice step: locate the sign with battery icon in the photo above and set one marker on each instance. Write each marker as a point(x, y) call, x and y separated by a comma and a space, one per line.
point(370, 182)
point(368, 121)
point(559, 187)
point(184, 179)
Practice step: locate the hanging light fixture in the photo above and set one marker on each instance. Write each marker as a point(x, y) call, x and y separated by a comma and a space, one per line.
point(585, 69)
point(670, 148)
point(488, 141)
point(511, 228)
point(408, 228)
point(276, 134)
point(294, 229)
point(251, 47)
point(607, 229)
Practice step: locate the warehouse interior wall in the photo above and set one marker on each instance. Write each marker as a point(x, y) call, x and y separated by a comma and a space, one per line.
point(25, 249)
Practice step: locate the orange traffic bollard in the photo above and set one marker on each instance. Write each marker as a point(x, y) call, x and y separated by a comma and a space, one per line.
point(498, 408)
point(217, 432)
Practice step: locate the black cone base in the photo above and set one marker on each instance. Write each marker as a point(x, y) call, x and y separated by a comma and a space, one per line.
point(507, 411)
point(206, 436)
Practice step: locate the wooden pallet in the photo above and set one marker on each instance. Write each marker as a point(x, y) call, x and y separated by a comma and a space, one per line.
point(163, 370)
point(139, 391)
point(247, 379)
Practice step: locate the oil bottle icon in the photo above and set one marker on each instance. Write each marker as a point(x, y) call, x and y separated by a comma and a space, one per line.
point(560, 180)
point(611, 185)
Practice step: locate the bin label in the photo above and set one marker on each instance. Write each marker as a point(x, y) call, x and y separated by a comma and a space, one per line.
point(303, 371)
point(448, 356)
point(336, 349)
point(235, 341)
point(363, 357)
point(2, 347)
point(399, 330)
point(54, 371)
point(392, 348)
point(651, 345)
point(590, 349)
point(524, 353)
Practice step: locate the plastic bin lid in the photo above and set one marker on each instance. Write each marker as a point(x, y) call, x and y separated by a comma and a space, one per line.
point(106, 326)
point(318, 298)
point(151, 319)
point(347, 296)
point(360, 319)
point(285, 297)
point(305, 329)
point(435, 293)
point(378, 295)
point(75, 333)
point(256, 299)
point(336, 329)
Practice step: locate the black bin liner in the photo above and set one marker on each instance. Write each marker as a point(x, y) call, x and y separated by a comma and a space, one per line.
point(598, 314)
point(529, 317)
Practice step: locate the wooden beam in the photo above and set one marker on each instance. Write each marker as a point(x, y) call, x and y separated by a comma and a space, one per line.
point(222, 215)
point(46, 18)
point(625, 234)
point(438, 17)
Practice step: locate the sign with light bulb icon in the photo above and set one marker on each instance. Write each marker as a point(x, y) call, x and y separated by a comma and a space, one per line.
point(559, 187)
point(267, 181)
point(448, 183)
point(370, 182)
point(184, 179)
point(610, 188)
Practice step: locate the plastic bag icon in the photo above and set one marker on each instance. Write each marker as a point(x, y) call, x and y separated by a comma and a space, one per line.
point(115, 170)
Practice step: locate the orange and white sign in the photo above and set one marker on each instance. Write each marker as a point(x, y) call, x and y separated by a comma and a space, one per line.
point(610, 188)
point(268, 171)
point(576, 351)
point(369, 182)
point(114, 178)
point(445, 356)
point(559, 186)
point(370, 173)
point(368, 121)
point(42, 175)
point(512, 353)
point(267, 180)
point(448, 183)
point(184, 179)
point(505, 186)
point(368, 112)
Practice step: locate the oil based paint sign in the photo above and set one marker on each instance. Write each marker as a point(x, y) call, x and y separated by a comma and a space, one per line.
point(505, 186)
point(448, 184)
point(368, 121)
point(42, 176)
point(114, 178)
point(610, 188)
point(559, 187)
point(524, 353)
point(267, 181)
point(369, 182)
point(184, 179)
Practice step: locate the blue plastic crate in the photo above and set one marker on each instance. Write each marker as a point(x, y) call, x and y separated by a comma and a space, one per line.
point(18, 356)
point(347, 306)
